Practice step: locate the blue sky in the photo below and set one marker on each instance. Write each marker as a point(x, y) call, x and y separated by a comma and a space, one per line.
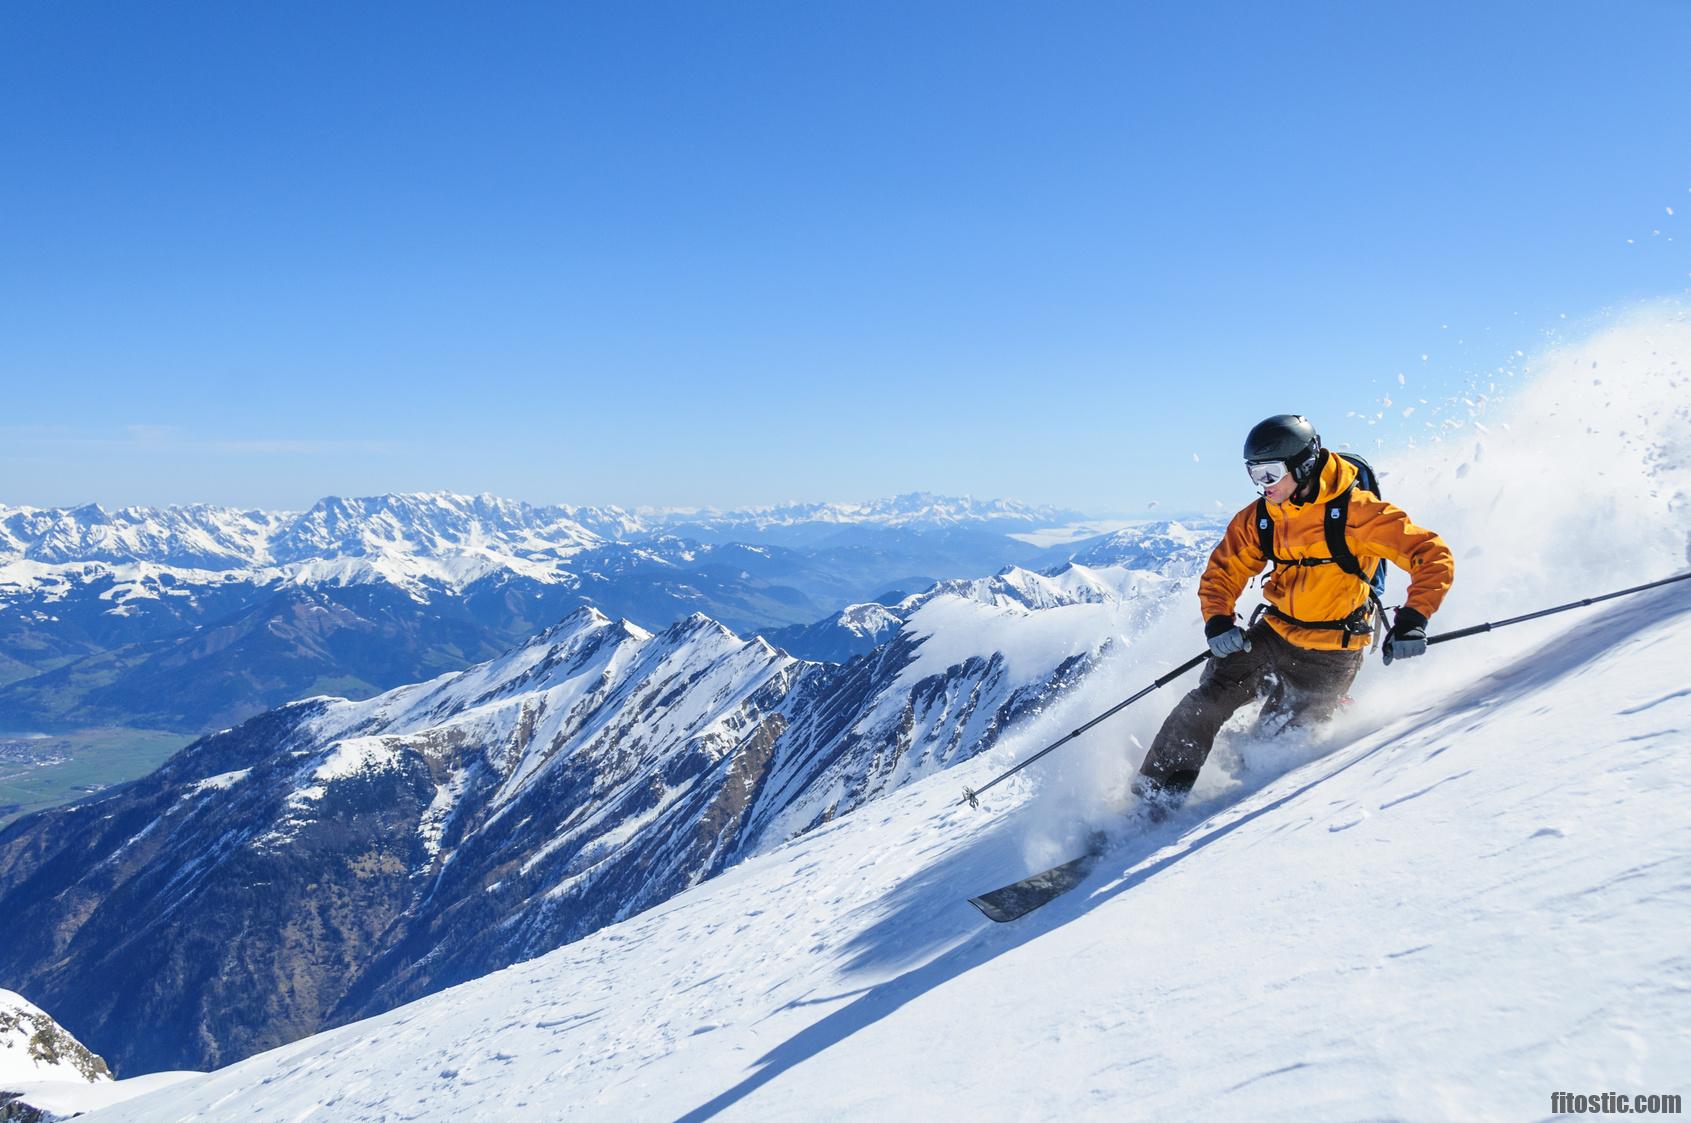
point(734, 253)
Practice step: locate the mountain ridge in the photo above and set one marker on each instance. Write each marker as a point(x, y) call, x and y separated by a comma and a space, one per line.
point(446, 828)
point(206, 536)
point(407, 586)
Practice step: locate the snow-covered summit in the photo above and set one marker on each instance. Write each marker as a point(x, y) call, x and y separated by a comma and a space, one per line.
point(1071, 584)
point(210, 537)
point(197, 536)
point(1138, 563)
point(435, 524)
point(1168, 546)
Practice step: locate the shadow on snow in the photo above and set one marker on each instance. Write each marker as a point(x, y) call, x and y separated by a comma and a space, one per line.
point(929, 901)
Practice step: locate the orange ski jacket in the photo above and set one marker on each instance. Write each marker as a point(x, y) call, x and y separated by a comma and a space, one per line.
point(1374, 529)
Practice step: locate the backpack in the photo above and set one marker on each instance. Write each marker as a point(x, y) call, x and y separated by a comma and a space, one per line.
point(1335, 524)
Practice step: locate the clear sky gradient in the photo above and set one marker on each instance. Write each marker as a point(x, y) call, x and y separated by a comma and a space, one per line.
point(733, 253)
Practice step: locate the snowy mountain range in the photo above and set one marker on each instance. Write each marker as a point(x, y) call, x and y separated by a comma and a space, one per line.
point(441, 525)
point(331, 859)
point(195, 618)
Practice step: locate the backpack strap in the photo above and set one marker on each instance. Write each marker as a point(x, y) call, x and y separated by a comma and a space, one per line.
point(1333, 523)
point(1265, 532)
point(1333, 526)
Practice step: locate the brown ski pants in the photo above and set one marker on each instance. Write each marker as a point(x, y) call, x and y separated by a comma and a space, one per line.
point(1303, 687)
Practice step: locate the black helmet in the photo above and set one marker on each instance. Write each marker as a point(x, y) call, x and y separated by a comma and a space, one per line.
point(1288, 437)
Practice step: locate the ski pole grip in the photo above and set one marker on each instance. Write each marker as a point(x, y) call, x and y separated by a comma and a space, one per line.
point(1459, 634)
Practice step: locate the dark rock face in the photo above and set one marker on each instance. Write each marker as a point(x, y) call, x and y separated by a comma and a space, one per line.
point(329, 860)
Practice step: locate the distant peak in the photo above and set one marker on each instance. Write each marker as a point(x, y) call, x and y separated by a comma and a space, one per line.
point(584, 615)
point(695, 623)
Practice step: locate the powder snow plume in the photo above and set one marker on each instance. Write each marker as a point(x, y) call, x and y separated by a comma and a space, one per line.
point(1578, 482)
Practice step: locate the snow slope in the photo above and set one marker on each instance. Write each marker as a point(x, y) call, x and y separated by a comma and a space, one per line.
point(1468, 893)
point(66, 1099)
point(1461, 911)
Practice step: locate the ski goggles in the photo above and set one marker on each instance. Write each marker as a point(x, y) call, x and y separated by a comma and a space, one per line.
point(1266, 473)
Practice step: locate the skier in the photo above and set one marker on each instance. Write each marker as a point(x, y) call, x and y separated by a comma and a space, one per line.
point(1321, 600)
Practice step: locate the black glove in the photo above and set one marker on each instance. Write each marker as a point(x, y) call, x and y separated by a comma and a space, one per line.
point(1408, 637)
point(1226, 638)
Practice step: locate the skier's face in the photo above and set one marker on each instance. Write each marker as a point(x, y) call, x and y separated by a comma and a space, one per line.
point(1281, 489)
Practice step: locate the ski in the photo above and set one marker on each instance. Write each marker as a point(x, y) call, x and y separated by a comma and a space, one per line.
point(1019, 898)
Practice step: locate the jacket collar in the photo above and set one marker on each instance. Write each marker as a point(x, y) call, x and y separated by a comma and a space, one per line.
point(1336, 474)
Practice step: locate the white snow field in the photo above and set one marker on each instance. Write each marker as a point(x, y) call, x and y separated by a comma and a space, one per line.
point(1470, 892)
point(66, 1099)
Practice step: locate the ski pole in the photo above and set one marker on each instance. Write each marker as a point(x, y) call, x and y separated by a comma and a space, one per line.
point(970, 794)
point(1460, 633)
